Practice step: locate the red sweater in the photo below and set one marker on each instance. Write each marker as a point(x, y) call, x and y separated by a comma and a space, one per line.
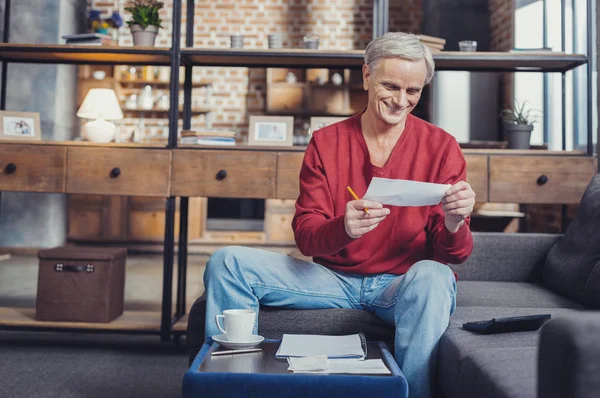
point(337, 156)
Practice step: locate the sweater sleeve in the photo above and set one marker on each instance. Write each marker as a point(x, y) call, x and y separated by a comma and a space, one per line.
point(450, 247)
point(318, 232)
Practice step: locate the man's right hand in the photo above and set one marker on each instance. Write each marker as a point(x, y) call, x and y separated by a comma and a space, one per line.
point(357, 222)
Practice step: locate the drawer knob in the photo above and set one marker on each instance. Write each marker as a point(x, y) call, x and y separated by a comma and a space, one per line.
point(543, 179)
point(114, 173)
point(221, 175)
point(10, 168)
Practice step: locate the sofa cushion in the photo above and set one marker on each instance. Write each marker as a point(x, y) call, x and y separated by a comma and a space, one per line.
point(510, 294)
point(457, 344)
point(506, 257)
point(499, 373)
point(274, 322)
point(573, 264)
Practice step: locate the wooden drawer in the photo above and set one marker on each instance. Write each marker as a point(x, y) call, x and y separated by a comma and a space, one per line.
point(32, 168)
point(224, 173)
point(477, 175)
point(118, 171)
point(288, 174)
point(539, 179)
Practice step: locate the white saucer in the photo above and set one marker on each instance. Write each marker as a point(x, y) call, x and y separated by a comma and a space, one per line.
point(237, 345)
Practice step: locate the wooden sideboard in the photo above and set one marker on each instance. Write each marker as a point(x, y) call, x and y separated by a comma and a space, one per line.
point(120, 181)
point(522, 176)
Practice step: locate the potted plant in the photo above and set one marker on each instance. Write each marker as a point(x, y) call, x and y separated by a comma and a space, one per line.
point(145, 21)
point(518, 124)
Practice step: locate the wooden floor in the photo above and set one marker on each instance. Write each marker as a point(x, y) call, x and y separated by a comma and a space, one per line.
point(143, 289)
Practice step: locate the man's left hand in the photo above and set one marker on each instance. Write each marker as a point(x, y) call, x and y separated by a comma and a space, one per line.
point(458, 205)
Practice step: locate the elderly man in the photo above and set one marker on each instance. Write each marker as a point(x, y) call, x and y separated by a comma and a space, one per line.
point(390, 261)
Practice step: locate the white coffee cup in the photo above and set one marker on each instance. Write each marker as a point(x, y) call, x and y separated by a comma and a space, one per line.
point(238, 324)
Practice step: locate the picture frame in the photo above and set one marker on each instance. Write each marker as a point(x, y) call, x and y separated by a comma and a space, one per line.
point(271, 130)
point(318, 122)
point(20, 126)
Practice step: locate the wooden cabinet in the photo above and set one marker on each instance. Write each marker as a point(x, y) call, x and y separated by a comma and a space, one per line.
point(477, 175)
point(32, 168)
point(288, 173)
point(119, 171)
point(539, 179)
point(225, 174)
point(498, 176)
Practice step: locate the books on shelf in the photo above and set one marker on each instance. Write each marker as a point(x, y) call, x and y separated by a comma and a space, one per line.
point(208, 137)
point(90, 39)
point(435, 44)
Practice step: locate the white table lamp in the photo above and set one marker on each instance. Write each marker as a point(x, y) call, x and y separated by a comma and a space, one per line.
point(100, 105)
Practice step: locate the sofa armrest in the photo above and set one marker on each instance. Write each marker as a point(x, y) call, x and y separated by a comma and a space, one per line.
point(506, 257)
point(569, 357)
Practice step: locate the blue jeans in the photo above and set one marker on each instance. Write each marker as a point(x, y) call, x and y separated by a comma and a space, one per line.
point(419, 303)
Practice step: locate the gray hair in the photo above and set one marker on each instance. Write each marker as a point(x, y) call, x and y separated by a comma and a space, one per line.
point(399, 45)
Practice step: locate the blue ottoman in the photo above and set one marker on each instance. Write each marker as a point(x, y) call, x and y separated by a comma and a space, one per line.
point(260, 374)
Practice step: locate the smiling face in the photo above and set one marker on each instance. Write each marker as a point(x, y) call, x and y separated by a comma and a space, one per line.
point(395, 86)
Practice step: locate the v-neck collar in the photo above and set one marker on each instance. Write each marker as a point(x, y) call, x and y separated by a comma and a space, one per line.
point(376, 169)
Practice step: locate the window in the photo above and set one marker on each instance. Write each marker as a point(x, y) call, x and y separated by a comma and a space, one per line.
point(544, 91)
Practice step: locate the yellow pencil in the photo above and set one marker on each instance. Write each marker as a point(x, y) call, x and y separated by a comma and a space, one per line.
point(355, 197)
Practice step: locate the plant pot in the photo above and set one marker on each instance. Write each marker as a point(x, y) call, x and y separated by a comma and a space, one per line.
point(144, 37)
point(518, 135)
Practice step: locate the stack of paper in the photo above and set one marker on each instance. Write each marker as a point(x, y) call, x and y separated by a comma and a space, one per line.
point(305, 345)
point(321, 364)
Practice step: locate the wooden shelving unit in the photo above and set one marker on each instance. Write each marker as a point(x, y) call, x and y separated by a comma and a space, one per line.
point(165, 322)
point(163, 112)
point(92, 55)
point(445, 60)
point(159, 83)
point(465, 61)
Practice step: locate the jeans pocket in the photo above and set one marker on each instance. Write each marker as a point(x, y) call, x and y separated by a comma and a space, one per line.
point(388, 295)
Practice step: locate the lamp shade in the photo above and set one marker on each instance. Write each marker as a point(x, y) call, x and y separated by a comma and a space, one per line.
point(101, 103)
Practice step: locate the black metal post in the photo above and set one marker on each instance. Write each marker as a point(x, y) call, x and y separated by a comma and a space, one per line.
point(189, 28)
point(184, 201)
point(5, 39)
point(167, 295)
point(174, 85)
point(6, 34)
point(590, 64)
point(182, 256)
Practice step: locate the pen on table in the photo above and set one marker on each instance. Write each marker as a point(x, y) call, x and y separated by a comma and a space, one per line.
point(236, 351)
point(355, 197)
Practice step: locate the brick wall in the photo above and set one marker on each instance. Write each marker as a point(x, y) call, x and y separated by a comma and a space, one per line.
point(502, 22)
point(238, 92)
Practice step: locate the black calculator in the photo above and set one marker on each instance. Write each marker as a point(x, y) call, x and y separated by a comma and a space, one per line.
point(508, 325)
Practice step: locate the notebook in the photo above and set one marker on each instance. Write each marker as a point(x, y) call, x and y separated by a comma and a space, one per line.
point(306, 345)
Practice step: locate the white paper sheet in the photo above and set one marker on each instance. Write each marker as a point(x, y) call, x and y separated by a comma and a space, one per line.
point(307, 345)
point(405, 192)
point(321, 364)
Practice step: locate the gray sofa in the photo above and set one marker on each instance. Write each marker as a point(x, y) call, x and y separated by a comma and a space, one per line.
point(507, 275)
